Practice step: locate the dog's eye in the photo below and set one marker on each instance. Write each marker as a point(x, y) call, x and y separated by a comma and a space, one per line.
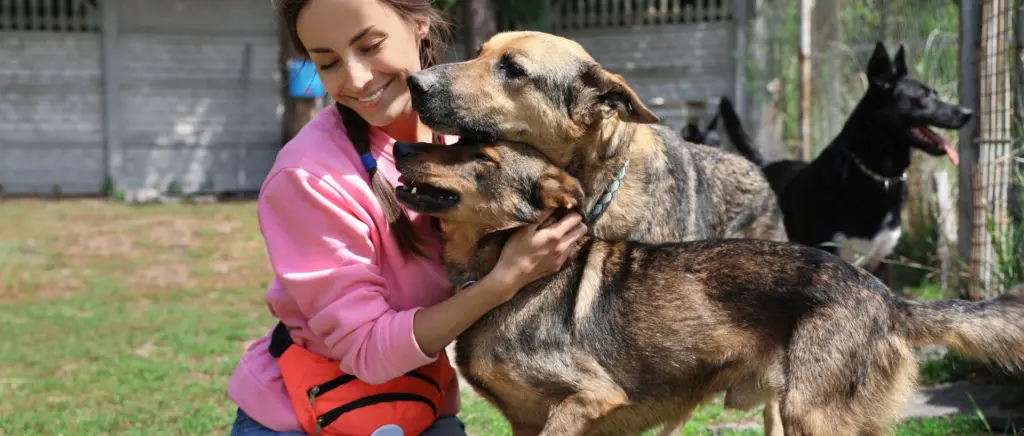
point(511, 68)
point(483, 157)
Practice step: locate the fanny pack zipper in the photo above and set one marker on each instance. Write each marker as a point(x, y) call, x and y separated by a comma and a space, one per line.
point(332, 415)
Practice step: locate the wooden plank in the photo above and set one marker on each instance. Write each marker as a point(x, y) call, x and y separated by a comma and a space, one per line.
point(581, 14)
point(34, 21)
point(6, 16)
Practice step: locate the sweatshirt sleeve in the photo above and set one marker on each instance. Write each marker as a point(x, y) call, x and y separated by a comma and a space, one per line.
point(321, 248)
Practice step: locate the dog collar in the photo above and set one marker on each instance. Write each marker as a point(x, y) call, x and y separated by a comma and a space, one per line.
point(885, 181)
point(609, 193)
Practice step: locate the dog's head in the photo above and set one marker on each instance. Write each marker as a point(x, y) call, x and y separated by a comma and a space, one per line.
point(709, 136)
point(530, 87)
point(482, 186)
point(910, 107)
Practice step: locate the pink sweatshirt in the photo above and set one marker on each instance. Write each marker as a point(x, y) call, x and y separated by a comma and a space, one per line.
point(341, 283)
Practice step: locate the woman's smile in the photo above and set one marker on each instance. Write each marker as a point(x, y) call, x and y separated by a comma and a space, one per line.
point(373, 98)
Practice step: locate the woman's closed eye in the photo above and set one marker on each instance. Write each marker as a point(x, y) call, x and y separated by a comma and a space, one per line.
point(328, 65)
point(373, 47)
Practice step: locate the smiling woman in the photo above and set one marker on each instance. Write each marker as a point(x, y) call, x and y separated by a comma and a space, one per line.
point(365, 306)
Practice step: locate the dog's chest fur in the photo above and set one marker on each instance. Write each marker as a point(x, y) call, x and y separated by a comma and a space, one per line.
point(868, 252)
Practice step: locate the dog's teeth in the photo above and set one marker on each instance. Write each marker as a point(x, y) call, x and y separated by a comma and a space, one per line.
point(413, 190)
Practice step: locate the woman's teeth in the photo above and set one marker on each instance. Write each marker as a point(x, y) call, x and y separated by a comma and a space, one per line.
point(374, 97)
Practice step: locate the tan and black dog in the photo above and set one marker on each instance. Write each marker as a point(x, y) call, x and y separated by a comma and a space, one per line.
point(628, 335)
point(642, 182)
point(548, 92)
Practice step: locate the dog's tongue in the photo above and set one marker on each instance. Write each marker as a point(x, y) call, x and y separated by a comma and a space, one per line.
point(950, 151)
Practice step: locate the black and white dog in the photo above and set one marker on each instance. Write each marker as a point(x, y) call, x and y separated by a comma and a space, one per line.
point(851, 195)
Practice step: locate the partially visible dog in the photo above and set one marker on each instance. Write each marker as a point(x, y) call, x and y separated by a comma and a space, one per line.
point(641, 182)
point(691, 132)
point(852, 194)
point(628, 335)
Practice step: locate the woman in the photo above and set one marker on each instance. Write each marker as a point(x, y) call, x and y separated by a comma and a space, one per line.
point(358, 278)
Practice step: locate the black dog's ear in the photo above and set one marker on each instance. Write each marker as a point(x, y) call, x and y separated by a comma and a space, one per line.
point(880, 69)
point(900, 63)
point(557, 190)
point(615, 96)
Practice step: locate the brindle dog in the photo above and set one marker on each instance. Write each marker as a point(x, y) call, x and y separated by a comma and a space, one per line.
point(628, 334)
point(548, 92)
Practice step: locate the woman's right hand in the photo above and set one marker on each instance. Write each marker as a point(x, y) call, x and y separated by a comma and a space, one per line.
point(529, 254)
point(532, 252)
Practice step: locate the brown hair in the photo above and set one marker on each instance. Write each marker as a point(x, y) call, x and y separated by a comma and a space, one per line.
point(358, 129)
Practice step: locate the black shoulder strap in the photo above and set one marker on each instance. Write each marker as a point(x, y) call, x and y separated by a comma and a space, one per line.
point(280, 340)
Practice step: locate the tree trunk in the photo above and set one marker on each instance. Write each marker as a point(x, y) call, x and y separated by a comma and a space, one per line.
point(479, 19)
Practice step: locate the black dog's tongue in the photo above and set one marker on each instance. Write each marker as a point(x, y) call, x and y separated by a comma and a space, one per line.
point(930, 135)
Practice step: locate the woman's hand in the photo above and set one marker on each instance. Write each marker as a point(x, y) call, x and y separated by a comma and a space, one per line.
point(532, 252)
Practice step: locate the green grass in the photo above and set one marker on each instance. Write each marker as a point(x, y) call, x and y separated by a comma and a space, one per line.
point(130, 320)
point(110, 322)
point(482, 419)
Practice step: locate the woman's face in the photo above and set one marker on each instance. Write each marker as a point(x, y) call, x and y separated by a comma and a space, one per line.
point(363, 51)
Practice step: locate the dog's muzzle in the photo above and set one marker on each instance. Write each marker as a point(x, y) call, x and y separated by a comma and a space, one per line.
point(421, 83)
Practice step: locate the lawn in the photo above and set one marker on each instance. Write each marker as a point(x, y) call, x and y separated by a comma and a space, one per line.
point(120, 319)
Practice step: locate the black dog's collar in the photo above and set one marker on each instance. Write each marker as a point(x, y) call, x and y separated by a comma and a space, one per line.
point(885, 181)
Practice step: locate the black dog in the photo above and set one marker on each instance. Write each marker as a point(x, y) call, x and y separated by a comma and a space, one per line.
point(852, 194)
point(691, 132)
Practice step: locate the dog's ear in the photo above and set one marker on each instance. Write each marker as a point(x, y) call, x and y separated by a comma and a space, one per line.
point(558, 190)
point(614, 95)
point(880, 69)
point(900, 63)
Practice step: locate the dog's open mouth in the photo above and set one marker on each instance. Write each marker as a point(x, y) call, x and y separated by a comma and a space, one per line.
point(939, 145)
point(424, 197)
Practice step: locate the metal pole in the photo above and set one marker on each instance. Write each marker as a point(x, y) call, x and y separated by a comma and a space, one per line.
point(806, 8)
point(969, 47)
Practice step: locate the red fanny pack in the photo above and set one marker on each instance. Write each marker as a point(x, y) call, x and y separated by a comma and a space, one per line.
point(329, 402)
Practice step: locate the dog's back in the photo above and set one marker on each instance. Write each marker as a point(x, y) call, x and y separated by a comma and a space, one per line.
point(734, 191)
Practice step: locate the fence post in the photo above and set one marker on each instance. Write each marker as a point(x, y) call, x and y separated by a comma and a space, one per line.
point(806, 8)
point(969, 47)
point(111, 94)
point(1015, 207)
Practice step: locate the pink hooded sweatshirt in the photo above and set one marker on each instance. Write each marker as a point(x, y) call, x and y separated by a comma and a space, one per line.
point(341, 283)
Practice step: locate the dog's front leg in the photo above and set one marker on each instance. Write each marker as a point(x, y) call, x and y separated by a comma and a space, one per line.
point(577, 412)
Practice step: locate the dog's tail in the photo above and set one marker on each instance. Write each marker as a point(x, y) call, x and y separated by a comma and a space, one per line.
point(990, 330)
point(739, 137)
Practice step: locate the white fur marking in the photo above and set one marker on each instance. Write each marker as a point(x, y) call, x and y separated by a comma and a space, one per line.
point(590, 284)
point(867, 253)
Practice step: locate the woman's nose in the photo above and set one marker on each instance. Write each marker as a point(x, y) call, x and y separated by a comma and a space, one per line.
point(357, 75)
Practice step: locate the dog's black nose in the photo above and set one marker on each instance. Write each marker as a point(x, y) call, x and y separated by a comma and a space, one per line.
point(420, 83)
point(966, 112)
point(404, 149)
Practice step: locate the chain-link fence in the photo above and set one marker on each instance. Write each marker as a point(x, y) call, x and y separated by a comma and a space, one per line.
point(993, 175)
